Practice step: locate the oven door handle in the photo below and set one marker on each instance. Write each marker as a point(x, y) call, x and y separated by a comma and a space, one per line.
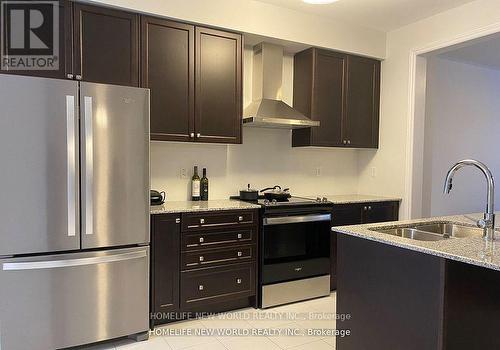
point(297, 219)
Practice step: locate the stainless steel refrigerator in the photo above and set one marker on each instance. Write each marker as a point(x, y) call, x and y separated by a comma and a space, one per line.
point(74, 212)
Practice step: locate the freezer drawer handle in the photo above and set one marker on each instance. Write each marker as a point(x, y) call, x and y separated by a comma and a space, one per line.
point(71, 145)
point(39, 265)
point(89, 167)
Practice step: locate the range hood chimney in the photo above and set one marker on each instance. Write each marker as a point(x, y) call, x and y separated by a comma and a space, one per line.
point(267, 109)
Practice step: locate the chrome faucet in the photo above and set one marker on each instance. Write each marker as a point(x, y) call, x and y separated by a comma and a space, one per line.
point(488, 222)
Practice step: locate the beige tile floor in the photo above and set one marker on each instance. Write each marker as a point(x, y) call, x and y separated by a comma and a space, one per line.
point(294, 316)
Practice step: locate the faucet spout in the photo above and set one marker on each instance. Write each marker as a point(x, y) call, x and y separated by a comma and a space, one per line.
point(488, 222)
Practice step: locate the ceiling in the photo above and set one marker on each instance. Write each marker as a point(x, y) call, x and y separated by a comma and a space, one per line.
point(384, 15)
point(483, 52)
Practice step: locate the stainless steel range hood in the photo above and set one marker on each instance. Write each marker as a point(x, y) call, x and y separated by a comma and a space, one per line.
point(267, 110)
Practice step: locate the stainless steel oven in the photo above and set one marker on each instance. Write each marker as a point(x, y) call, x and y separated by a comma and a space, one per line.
point(295, 255)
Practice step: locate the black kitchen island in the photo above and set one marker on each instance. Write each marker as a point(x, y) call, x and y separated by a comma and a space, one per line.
point(406, 294)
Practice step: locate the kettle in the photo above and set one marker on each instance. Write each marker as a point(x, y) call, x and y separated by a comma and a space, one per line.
point(157, 198)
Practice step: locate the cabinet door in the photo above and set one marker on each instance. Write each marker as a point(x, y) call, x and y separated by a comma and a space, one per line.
point(347, 214)
point(328, 98)
point(361, 120)
point(65, 47)
point(167, 68)
point(165, 245)
point(218, 102)
point(106, 45)
point(380, 212)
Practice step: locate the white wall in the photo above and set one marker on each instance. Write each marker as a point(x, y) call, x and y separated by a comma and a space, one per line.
point(265, 158)
point(390, 160)
point(462, 121)
point(255, 17)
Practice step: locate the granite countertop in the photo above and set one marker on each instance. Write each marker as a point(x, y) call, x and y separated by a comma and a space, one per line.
point(470, 250)
point(198, 206)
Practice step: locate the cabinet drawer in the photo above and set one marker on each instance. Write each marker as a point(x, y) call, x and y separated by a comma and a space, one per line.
point(199, 221)
point(217, 284)
point(219, 238)
point(210, 257)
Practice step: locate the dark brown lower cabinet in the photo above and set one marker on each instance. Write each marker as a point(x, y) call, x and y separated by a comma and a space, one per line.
point(406, 300)
point(472, 307)
point(202, 288)
point(202, 263)
point(393, 296)
point(356, 214)
point(165, 258)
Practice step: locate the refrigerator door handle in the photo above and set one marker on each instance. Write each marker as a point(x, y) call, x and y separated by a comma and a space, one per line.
point(89, 166)
point(52, 264)
point(71, 143)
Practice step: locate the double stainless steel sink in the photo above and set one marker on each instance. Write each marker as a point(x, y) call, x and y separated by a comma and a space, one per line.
point(436, 231)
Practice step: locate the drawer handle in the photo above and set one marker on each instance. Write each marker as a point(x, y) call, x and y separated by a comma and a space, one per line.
point(202, 258)
point(369, 208)
point(177, 221)
point(240, 254)
point(240, 218)
point(238, 281)
point(365, 208)
point(200, 287)
point(202, 240)
point(202, 221)
point(240, 235)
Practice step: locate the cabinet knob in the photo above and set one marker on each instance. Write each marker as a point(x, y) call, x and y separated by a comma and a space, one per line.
point(198, 135)
point(202, 239)
point(345, 142)
point(191, 135)
point(365, 208)
point(78, 77)
point(348, 142)
point(240, 235)
point(240, 218)
point(202, 259)
point(202, 221)
point(70, 76)
point(238, 280)
point(240, 254)
point(369, 208)
point(177, 221)
point(200, 287)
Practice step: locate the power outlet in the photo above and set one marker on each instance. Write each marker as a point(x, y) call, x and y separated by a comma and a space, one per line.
point(318, 171)
point(183, 173)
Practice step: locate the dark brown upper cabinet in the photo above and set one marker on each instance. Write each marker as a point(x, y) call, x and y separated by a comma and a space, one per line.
point(106, 45)
point(218, 96)
point(361, 121)
point(64, 57)
point(319, 94)
point(342, 92)
point(167, 69)
point(194, 74)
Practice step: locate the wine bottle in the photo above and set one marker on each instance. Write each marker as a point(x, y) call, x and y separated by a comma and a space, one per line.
point(195, 185)
point(204, 186)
